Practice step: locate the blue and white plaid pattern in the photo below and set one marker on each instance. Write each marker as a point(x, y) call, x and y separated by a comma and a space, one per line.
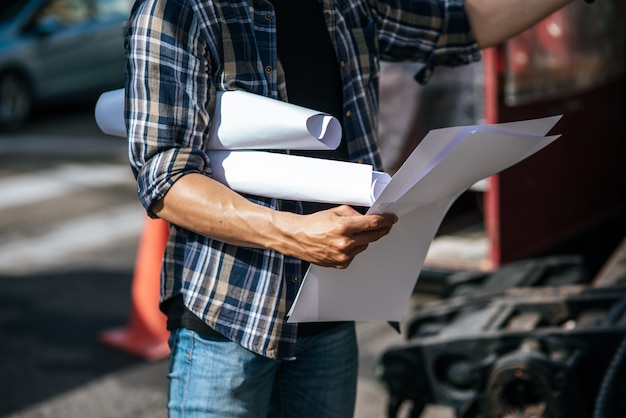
point(181, 51)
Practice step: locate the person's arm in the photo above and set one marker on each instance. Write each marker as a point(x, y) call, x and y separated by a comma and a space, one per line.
point(168, 121)
point(329, 238)
point(495, 21)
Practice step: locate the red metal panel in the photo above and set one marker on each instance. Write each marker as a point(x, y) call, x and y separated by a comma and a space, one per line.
point(573, 184)
point(570, 186)
point(492, 196)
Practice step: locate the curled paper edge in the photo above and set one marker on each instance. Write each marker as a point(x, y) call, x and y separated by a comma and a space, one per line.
point(314, 130)
point(326, 128)
point(246, 121)
point(109, 113)
point(380, 180)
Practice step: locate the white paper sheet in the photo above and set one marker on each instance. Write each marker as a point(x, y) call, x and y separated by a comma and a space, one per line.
point(244, 120)
point(298, 178)
point(274, 124)
point(379, 282)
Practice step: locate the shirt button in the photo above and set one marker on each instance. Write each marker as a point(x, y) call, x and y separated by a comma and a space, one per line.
point(326, 15)
point(268, 16)
point(268, 69)
point(361, 161)
point(348, 113)
point(294, 279)
point(342, 64)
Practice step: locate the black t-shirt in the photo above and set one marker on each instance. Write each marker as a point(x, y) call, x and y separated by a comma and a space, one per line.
point(308, 58)
point(311, 69)
point(313, 80)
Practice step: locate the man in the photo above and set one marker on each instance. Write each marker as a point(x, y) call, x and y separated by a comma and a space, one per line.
point(234, 263)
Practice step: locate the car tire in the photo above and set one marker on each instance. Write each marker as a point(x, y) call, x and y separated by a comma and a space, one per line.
point(15, 102)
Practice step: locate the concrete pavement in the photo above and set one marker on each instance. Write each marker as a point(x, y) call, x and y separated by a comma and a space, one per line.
point(51, 364)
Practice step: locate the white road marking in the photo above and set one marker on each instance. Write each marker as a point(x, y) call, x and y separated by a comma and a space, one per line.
point(71, 239)
point(47, 184)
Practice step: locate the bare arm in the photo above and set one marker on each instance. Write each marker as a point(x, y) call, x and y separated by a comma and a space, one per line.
point(494, 21)
point(328, 238)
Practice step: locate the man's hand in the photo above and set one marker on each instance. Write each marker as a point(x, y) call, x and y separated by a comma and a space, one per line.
point(332, 238)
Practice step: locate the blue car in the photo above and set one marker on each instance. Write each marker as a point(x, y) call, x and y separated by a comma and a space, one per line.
point(54, 52)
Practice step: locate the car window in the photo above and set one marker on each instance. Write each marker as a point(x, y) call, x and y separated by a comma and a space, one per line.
point(112, 9)
point(64, 12)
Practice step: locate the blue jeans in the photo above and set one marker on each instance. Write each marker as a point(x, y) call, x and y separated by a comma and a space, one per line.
point(211, 376)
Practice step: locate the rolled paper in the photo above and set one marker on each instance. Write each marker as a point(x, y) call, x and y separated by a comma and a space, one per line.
point(244, 120)
point(298, 178)
point(109, 113)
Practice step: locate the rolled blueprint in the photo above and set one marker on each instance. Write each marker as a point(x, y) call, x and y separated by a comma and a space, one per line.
point(298, 178)
point(244, 120)
point(109, 113)
point(252, 121)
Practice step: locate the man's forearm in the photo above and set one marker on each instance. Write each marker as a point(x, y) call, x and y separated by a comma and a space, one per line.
point(202, 205)
point(328, 238)
point(495, 21)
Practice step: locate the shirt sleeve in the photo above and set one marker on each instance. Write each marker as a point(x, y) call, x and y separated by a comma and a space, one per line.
point(167, 97)
point(432, 32)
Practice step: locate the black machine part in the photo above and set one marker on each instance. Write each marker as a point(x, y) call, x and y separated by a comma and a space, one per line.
point(530, 352)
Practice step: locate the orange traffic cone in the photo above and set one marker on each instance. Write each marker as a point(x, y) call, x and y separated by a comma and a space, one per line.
point(146, 334)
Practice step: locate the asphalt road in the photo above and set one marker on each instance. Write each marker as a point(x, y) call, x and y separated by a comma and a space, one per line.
point(69, 226)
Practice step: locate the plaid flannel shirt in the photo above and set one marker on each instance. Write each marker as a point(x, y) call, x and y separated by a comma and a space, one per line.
point(180, 52)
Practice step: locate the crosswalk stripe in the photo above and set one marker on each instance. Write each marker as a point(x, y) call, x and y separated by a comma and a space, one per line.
point(46, 184)
point(71, 239)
